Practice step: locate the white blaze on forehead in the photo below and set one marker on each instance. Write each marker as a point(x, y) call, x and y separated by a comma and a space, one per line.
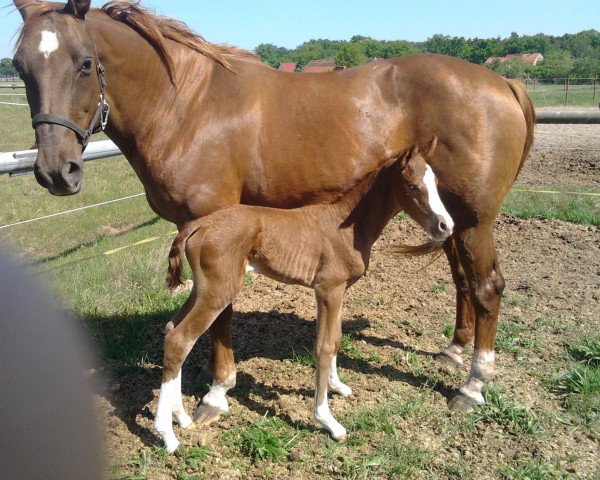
point(48, 44)
point(435, 202)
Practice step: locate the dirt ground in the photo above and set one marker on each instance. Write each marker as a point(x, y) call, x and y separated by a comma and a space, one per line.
point(552, 269)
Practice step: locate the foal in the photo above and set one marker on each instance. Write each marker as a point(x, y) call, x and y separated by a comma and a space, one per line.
point(323, 247)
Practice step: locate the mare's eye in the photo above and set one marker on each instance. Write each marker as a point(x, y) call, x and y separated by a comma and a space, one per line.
point(86, 67)
point(413, 188)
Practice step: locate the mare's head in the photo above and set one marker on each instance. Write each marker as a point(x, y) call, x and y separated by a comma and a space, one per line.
point(56, 59)
point(418, 194)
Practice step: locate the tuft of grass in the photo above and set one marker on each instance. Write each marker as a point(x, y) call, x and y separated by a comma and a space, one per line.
point(448, 330)
point(588, 351)
point(510, 338)
point(580, 384)
point(267, 439)
point(439, 287)
point(512, 416)
point(348, 347)
point(534, 470)
point(306, 359)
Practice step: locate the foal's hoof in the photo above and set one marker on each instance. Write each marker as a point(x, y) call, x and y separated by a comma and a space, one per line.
point(448, 361)
point(206, 414)
point(462, 403)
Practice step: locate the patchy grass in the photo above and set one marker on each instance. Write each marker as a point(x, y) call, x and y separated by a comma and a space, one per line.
point(513, 417)
point(580, 384)
point(569, 207)
point(534, 470)
point(266, 439)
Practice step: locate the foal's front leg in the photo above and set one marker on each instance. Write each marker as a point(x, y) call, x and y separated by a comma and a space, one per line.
point(329, 332)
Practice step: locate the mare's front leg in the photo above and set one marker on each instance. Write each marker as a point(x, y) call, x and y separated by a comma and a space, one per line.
point(181, 336)
point(222, 368)
point(478, 258)
point(329, 333)
point(464, 329)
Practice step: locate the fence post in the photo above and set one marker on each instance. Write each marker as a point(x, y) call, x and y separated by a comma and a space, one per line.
point(566, 89)
point(594, 89)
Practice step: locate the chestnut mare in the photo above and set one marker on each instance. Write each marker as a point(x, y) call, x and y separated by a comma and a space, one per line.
point(323, 247)
point(207, 126)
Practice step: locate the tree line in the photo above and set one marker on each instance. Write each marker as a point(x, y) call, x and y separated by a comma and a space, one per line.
point(574, 55)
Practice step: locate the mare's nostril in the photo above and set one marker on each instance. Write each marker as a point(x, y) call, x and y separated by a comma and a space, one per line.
point(442, 225)
point(72, 173)
point(73, 167)
point(42, 177)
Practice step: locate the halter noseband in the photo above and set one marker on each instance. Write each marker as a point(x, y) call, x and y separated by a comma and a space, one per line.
point(101, 114)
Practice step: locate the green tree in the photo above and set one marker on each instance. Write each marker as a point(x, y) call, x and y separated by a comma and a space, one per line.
point(444, 44)
point(351, 55)
point(6, 68)
point(271, 54)
point(556, 64)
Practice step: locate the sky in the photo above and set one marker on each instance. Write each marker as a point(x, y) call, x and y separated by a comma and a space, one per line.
point(288, 23)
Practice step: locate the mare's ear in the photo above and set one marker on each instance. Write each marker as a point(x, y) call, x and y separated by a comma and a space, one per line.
point(429, 147)
point(78, 8)
point(24, 6)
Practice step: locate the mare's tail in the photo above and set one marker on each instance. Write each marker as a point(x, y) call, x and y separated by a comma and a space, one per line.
point(176, 254)
point(520, 94)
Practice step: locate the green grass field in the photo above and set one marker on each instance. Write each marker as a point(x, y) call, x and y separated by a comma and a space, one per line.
point(123, 301)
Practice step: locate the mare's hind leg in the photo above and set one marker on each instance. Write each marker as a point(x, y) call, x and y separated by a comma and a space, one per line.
point(464, 328)
point(478, 258)
point(222, 367)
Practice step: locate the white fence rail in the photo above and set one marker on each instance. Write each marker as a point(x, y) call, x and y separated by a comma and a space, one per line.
point(21, 162)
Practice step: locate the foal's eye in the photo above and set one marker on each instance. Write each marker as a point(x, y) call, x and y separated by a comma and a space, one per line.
point(86, 67)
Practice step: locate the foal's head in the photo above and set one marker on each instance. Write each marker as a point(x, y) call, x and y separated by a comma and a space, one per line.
point(418, 194)
point(56, 59)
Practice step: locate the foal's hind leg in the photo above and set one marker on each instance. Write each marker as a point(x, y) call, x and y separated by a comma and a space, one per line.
point(464, 328)
point(478, 258)
point(222, 367)
point(178, 343)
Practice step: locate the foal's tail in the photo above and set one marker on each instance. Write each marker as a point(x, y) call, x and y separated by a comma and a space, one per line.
point(520, 93)
point(176, 254)
point(432, 246)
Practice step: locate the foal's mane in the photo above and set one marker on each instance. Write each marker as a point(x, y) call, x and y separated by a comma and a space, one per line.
point(156, 30)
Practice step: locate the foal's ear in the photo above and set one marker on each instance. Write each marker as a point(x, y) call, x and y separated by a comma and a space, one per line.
point(24, 6)
point(429, 147)
point(411, 153)
point(78, 8)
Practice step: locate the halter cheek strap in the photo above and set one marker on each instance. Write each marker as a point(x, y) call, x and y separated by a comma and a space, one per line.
point(99, 120)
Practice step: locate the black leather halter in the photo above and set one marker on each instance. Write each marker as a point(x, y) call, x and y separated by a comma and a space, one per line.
point(100, 119)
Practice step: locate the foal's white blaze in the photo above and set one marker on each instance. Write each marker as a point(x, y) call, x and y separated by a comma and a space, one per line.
point(482, 369)
point(48, 44)
point(334, 381)
point(435, 202)
point(324, 417)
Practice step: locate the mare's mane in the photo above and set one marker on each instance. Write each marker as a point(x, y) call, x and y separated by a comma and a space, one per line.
point(155, 29)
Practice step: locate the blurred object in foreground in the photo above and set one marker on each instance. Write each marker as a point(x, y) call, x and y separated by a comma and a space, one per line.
point(48, 426)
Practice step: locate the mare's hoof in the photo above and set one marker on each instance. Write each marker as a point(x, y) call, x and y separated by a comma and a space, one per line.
point(462, 403)
point(206, 414)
